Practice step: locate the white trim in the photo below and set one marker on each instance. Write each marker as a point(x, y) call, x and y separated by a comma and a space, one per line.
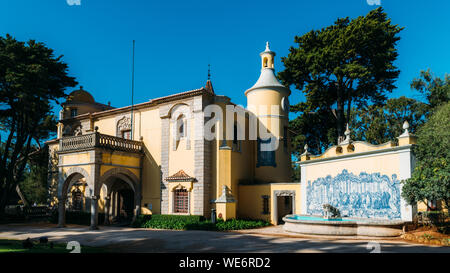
point(405, 170)
point(303, 190)
point(352, 156)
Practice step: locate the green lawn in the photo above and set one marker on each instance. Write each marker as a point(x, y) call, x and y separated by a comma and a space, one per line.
point(10, 246)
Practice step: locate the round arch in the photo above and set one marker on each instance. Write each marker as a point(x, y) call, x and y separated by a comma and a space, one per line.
point(69, 178)
point(109, 183)
point(122, 173)
point(182, 108)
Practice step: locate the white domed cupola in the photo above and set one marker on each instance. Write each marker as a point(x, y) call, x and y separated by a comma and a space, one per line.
point(267, 57)
point(267, 79)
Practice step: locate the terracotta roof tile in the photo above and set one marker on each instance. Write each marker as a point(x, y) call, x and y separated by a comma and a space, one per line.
point(180, 176)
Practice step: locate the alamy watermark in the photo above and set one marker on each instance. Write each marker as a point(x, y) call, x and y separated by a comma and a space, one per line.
point(73, 2)
point(231, 122)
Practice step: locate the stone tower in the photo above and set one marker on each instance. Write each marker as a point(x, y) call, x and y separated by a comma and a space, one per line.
point(268, 100)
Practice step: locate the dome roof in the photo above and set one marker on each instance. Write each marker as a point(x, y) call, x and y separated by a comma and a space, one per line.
point(81, 96)
point(267, 79)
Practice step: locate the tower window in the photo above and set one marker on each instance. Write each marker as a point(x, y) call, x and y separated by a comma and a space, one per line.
point(265, 158)
point(73, 112)
point(265, 62)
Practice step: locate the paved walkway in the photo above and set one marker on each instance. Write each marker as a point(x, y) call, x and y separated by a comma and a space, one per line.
point(119, 239)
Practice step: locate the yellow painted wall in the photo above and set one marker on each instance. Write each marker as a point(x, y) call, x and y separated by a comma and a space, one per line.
point(146, 124)
point(251, 201)
point(75, 158)
point(387, 164)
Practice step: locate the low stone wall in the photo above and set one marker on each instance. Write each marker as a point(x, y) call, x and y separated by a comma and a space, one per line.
point(356, 227)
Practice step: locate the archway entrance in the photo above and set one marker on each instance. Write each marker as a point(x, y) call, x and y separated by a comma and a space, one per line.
point(74, 193)
point(122, 202)
point(284, 206)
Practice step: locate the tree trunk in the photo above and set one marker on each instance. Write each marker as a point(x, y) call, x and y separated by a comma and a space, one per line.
point(340, 114)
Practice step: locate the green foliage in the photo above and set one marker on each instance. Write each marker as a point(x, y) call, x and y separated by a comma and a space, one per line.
point(34, 185)
point(178, 222)
point(16, 246)
point(31, 78)
point(236, 224)
point(348, 63)
point(378, 124)
point(435, 89)
point(314, 128)
point(192, 222)
point(431, 177)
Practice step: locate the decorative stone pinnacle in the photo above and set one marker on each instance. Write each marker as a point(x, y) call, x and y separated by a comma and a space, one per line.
point(347, 139)
point(224, 190)
point(306, 148)
point(267, 46)
point(405, 127)
point(347, 131)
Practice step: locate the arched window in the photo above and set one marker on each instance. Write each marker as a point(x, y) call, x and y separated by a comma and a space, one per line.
point(265, 62)
point(181, 201)
point(124, 128)
point(181, 127)
point(73, 112)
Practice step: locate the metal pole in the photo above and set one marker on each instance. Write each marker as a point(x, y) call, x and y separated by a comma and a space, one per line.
point(132, 93)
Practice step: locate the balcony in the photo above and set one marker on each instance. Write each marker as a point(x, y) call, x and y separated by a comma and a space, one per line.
point(98, 140)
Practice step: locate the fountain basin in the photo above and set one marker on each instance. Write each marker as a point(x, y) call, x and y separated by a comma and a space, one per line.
point(346, 226)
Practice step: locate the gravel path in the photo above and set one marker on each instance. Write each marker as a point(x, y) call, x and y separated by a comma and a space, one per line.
point(272, 239)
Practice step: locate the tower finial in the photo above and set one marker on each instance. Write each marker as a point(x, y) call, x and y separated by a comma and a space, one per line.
point(209, 72)
point(267, 46)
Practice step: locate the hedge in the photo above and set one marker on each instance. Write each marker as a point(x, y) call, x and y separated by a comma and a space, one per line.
point(77, 217)
point(192, 222)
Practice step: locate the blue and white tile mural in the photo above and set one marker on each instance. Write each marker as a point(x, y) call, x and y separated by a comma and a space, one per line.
point(364, 195)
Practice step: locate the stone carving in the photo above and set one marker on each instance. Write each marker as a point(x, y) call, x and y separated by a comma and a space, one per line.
point(124, 124)
point(77, 131)
point(331, 212)
point(367, 195)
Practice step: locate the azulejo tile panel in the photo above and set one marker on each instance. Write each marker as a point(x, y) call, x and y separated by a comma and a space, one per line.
point(364, 195)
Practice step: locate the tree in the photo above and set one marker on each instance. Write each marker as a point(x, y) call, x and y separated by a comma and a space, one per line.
point(378, 124)
point(431, 177)
point(34, 184)
point(435, 89)
point(31, 78)
point(343, 65)
point(314, 128)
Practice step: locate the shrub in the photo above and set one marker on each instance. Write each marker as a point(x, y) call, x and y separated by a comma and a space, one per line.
point(77, 217)
point(193, 222)
point(236, 224)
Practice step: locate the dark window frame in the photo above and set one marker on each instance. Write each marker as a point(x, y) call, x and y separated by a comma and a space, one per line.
point(265, 158)
point(266, 204)
point(181, 201)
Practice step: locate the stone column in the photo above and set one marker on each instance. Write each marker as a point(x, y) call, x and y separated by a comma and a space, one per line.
point(107, 209)
point(137, 209)
point(94, 212)
point(165, 137)
point(61, 212)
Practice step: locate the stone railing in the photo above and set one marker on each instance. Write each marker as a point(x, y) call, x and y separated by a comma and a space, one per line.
point(93, 140)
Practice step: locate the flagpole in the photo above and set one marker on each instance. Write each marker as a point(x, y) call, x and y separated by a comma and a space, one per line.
point(132, 94)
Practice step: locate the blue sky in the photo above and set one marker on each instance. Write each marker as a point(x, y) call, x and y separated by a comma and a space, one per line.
point(175, 40)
